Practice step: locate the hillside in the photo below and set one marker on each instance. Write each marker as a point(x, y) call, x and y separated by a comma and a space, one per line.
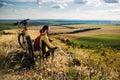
point(70, 61)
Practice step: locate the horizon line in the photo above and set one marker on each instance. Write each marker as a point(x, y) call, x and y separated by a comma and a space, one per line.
point(66, 19)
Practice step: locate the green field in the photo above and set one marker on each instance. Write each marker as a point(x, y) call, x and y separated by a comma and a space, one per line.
point(4, 26)
point(108, 40)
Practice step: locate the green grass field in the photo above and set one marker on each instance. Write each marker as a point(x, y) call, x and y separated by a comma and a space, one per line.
point(108, 40)
point(4, 26)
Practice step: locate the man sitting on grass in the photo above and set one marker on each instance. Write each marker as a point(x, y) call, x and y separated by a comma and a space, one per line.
point(42, 42)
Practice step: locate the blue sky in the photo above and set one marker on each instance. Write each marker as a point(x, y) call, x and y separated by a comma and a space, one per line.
point(60, 9)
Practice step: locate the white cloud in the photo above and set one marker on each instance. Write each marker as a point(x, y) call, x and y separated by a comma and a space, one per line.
point(4, 4)
point(111, 1)
point(98, 14)
point(58, 6)
point(81, 1)
point(72, 14)
point(23, 0)
point(92, 9)
point(65, 4)
point(103, 3)
point(60, 3)
point(55, 3)
point(94, 2)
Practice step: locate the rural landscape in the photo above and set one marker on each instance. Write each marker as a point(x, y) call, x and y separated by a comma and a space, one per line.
point(59, 39)
point(85, 51)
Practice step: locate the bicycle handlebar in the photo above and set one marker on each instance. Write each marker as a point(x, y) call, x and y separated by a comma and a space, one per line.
point(24, 22)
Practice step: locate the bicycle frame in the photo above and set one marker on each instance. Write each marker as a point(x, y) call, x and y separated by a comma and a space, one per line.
point(25, 43)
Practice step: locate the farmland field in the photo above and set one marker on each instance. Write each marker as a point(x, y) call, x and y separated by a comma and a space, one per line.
point(108, 40)
point(106, 34)
point(105, 29)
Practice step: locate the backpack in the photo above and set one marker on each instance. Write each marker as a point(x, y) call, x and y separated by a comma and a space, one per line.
point(37, 43)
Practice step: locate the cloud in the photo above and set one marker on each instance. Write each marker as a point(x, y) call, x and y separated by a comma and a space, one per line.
point(4, 4)
point(111, 1)
point(22, 0)
point(103, 3)
point(94, 2)
point(55, 3)
point(57, 6)
point(81, 1)
point(59, 3)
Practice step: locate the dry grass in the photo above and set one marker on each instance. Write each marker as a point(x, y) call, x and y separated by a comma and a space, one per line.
point(93, 65)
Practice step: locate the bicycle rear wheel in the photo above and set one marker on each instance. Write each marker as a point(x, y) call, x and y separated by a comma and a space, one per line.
point(22, 41)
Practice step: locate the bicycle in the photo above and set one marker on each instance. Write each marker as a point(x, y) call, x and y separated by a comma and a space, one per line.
point(24, 39)
point(24, 58)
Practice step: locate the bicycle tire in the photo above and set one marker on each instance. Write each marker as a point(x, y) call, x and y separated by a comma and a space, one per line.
point(22, 41)
point(30, 48)
point(26, 44)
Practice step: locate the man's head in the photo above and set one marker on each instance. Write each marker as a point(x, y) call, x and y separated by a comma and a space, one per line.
point(45, 29)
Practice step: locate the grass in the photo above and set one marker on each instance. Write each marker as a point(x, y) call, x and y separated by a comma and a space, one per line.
point(4, 26)
point(108, 40)
point(99, 64)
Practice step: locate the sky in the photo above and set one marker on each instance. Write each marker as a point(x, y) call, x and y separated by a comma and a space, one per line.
point(60, 9)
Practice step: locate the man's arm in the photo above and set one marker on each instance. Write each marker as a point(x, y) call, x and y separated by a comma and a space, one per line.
point(46, 40)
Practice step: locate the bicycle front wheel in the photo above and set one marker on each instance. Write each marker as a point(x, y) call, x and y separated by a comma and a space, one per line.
point(22, 41)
